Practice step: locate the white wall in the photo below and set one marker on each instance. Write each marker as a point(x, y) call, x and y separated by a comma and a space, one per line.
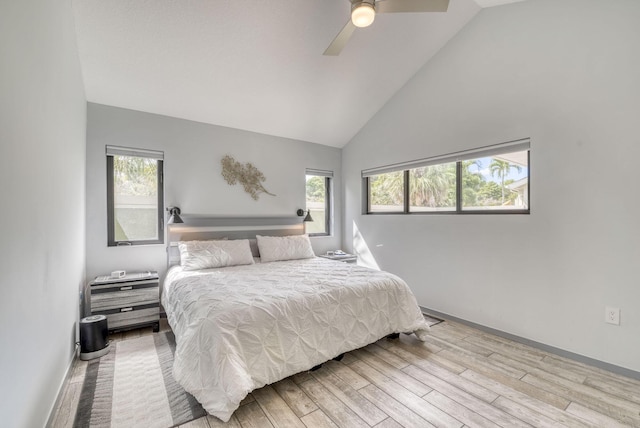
point(193, 180)
point(42, 153)
point(565, 73)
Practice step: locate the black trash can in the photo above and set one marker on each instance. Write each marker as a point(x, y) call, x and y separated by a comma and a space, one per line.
point(93, 337)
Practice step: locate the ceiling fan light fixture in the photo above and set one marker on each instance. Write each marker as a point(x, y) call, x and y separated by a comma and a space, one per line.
point(363, 14)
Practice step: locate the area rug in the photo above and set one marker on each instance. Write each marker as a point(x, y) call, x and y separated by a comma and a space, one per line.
point(132, 386)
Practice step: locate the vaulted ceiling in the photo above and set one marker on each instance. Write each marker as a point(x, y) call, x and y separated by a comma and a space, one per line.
point(256, 65)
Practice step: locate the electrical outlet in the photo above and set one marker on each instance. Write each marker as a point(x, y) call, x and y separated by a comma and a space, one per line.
point(612, 315)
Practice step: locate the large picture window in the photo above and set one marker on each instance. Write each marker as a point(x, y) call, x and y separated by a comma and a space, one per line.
point(318, 202)
point(485, 180)
point(134, 197)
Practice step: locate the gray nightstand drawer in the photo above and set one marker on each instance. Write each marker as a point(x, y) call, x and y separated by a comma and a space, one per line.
point(104, 298)
point(127, 302)
point(135, 316)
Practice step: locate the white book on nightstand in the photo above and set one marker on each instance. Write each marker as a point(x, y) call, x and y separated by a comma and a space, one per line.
point(137, 276)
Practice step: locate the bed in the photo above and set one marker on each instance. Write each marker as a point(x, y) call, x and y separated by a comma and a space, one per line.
point(247, 322)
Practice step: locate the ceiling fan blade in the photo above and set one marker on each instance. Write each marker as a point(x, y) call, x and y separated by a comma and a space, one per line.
point(399, 6)
point(341, 40)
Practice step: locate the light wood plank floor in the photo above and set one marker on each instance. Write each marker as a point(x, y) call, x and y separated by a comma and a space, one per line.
point(461, 377)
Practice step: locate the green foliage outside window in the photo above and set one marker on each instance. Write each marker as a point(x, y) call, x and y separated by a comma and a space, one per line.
point(316, 189)
point(318, 203)
point(135, 176)
point(433, 186)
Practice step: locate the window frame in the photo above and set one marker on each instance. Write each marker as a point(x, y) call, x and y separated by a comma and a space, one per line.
point(328, 196)
point(112, 151)
point(458, 158)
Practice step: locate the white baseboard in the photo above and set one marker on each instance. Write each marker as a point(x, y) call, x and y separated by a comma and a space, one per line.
point(60, 394)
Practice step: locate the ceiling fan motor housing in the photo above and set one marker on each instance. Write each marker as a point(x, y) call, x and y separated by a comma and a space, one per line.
point(363, 12)
point(356, 3)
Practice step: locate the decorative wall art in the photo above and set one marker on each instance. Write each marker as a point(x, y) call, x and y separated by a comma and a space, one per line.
point(248, 175)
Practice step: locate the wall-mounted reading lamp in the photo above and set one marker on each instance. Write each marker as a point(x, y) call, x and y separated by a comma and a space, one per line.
point(302, 212)
point(174, 213)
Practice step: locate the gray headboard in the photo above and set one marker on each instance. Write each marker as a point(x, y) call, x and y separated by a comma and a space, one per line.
point(200, 228)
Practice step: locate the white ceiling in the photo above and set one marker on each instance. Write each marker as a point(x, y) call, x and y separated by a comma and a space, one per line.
point(256, 65)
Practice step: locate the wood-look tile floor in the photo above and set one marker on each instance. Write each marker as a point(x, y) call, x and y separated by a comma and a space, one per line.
point(461, 377)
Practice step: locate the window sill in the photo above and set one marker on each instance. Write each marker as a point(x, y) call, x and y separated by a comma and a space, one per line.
point(149, 244)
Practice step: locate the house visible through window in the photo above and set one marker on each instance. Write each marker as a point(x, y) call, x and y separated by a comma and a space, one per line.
point(497, 182)
point(488, 179)
point(134, 197)
point(318, 202)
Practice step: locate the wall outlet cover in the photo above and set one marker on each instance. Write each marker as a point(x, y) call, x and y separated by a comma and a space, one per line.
point(612, 315)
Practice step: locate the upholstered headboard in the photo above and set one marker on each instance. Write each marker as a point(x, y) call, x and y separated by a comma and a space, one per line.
point(200, 228)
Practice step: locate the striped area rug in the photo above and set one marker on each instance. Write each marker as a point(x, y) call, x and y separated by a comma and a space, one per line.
point(132, 386)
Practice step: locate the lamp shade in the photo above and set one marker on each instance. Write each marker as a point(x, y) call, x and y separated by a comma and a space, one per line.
point(174, 215)
point(306, 214)
point(363, 14)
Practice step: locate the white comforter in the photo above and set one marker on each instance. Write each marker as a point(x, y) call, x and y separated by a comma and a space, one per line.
point(240, 328)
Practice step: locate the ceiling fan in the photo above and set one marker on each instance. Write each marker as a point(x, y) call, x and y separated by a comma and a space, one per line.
point(363, 12)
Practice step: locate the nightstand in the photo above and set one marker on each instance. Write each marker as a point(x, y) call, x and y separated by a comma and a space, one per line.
point(129, 302)
point(344, 258)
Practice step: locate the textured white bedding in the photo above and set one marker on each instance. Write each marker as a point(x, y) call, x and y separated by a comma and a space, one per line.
point(242, 327)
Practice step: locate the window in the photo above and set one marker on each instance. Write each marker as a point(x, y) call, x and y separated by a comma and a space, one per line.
point(498, 182)
point(490, 179)
point(432, 188)
point(318, 191)
point(386, 192)
point(134, 197)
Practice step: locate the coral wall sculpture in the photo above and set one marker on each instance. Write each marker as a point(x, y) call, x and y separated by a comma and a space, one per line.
point(246, 174)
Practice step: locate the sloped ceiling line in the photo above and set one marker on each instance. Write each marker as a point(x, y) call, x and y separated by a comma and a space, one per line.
point(256, 66)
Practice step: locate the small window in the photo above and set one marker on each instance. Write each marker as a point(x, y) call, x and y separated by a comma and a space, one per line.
point(318, 202)
point(134, 197)
point(488, 179)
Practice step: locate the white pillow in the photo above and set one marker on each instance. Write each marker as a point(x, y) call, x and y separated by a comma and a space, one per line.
point(275, 248)
point(196, 255)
